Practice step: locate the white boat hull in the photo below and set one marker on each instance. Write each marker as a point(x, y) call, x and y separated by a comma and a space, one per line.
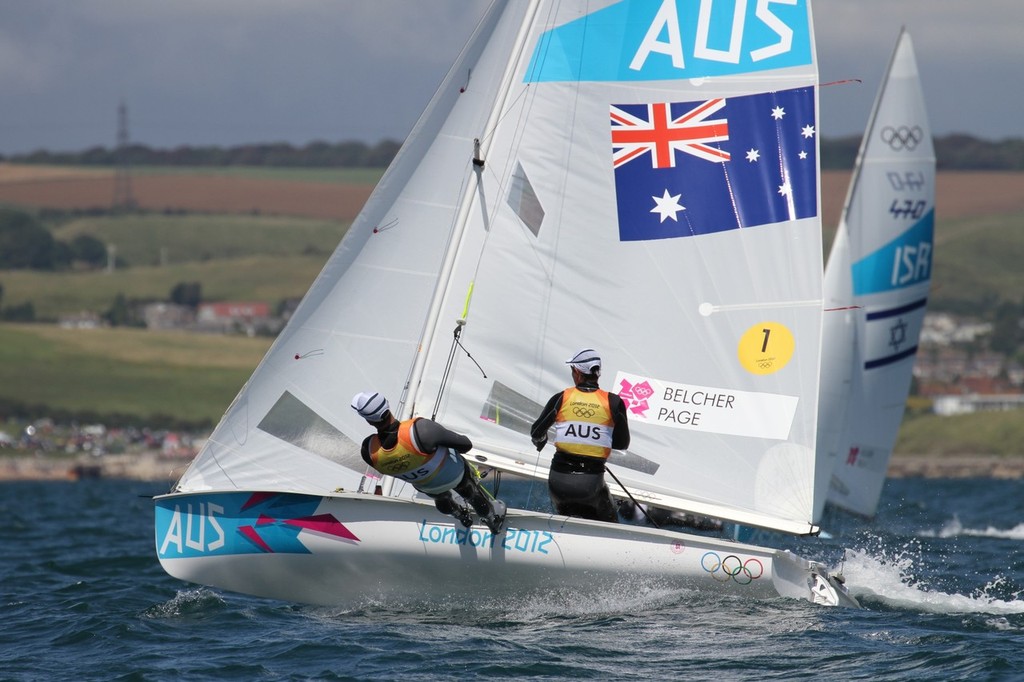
point(350, 549)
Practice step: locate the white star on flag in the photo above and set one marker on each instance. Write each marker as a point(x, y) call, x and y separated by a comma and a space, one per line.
point(753, 155)
point(808, 131)
point(667, 206)
point(778, 113)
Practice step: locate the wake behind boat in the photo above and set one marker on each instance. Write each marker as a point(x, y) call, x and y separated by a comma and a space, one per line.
point(641, 177)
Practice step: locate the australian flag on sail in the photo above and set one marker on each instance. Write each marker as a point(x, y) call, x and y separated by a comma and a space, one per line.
point(690, 168)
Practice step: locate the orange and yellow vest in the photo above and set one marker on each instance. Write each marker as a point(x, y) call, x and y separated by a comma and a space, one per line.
point(584, 424)
point(405, 460)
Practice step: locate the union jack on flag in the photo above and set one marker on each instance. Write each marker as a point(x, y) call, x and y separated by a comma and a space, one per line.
point(662, 135)
point(690, 168)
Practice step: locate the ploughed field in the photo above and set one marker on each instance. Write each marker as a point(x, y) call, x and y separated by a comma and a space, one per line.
point(83, 189)
point(959, 194)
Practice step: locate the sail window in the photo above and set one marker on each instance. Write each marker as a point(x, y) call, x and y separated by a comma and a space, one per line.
point(524, 201)
point(294, 422)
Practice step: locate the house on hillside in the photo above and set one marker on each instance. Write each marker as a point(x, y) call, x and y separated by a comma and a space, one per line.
point(82, 320)
point(162, 315)
point(248, 317)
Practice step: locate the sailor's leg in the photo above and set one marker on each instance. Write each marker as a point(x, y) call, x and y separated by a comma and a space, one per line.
point(606, 510)
point(491, 510)
point(447, 504)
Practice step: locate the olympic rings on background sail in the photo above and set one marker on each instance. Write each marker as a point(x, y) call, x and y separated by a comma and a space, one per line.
point(743, 572)
point(902, 137)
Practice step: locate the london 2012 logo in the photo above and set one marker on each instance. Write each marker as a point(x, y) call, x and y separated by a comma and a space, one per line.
point(635, 396)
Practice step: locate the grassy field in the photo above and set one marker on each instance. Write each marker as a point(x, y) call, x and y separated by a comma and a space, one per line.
point(981, 433)
point(191, 377)
point(172, 239)
point(978, 259)
point(251, 278)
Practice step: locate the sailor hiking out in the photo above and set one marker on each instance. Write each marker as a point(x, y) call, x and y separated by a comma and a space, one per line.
point(429, 456)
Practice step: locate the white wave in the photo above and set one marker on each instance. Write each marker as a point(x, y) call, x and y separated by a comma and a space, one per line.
point(954, 528)
point(890, 580)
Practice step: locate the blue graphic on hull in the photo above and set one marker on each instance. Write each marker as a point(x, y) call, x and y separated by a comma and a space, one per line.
point(238, 523)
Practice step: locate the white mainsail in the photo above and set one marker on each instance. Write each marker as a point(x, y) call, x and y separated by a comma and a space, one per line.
point(876, 288)
point(640, 177)
point(710, 322)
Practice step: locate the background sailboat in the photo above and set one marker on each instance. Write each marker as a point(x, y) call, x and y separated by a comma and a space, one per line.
point(641, 177)
point(876, 289)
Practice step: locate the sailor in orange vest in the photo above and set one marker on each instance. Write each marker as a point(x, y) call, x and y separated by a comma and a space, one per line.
point(589, 423)
point(429, 456)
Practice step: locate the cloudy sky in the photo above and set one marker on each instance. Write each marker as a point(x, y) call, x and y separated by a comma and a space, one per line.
point(227, 72)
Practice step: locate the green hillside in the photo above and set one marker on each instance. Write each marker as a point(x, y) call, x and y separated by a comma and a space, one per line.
point(152, 239)
point(130, 372)
point(977, 263)
point(255, 277)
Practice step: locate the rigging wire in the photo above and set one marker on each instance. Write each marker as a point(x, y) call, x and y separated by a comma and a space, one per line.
point(630, 495)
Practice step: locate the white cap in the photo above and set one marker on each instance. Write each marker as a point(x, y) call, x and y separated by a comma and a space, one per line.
point(370, 406)
point(586, 361)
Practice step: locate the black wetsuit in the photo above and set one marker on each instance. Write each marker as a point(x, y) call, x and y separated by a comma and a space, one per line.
point(576, 482)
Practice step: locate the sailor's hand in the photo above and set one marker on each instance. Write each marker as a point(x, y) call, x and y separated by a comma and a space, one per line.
point(539, 443)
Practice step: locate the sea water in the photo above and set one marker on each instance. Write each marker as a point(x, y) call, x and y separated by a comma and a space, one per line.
point(939, 572)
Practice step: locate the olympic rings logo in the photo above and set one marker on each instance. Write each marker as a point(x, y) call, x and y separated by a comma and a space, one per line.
point(743, 572)
point(584, 412)
point(902, 137)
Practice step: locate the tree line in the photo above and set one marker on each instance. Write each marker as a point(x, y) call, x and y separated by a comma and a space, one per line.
point(953, 152)
point(25, 244)
point(280, 154)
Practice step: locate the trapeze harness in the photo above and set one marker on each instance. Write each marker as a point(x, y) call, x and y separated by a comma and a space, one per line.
point(431, 473)
point(584, 424)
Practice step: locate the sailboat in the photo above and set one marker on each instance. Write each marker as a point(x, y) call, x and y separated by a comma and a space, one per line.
point(876, 289)
point(638, 177)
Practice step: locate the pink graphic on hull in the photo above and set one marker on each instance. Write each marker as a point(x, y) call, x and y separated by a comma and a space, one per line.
point(276, 534)
point(325, 524)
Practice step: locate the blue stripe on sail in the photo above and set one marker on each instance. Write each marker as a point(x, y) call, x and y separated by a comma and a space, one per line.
point(903, 262)
point(890, 359)
point(893, 312)
point(641, 40)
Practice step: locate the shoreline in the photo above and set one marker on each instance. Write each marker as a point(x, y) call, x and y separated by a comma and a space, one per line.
point(152, 466)
point(148, 466)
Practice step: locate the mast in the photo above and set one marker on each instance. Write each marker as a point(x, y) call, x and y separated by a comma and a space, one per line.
point(481, 146)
